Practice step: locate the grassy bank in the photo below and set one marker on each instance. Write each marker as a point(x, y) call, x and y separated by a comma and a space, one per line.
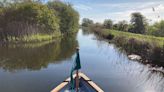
point(147, 38)
point(30, 21)
point(33, 38)
point(150, 48)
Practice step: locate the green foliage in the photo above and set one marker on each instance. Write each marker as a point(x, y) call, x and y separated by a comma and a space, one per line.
point(1, 10)
point(139, 23)
point(28, 18)
point(33, 13)
point(67, 15)
point(108, 23)
point(121, 26)
point(157, 29)
point(148, 47)
point(148, 38)
point(86, 22)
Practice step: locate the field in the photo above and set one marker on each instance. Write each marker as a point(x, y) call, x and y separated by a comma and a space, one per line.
point(158, 40)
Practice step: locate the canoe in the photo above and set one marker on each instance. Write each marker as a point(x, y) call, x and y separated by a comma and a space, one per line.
point(85, 85)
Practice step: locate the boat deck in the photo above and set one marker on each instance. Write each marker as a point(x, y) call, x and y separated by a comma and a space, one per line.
point(85, 85)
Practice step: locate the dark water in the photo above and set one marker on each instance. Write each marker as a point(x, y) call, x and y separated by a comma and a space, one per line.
point(41, 68)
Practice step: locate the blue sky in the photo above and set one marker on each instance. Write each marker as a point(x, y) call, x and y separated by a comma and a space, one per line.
point(118, 10)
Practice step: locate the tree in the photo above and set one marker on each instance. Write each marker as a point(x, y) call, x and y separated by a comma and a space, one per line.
point(86, 22)
point(123, 25)
point(108, 23)
point(138, 22)
point(25, 19)
point(69, 17)
point(157, 29)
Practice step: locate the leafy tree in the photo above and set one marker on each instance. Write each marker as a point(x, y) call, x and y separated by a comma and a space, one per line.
point(69, 18)
point(139, 23)
point(26, 19)
point(23, 18)
point(115, 26)
point(108, 23)
point(86, 22)
point(157, 29)
point(123, 25)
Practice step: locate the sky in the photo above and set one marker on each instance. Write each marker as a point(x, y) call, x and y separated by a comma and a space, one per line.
point(118, 10)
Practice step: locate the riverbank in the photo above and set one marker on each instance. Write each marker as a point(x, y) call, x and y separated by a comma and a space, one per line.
point(36, 40)
point(30, 21)
point(150, 48)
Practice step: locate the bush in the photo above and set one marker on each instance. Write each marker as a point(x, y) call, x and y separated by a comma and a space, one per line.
point(157, 29)
point(108, 23)
point(87, 22)
point(26, 19)
point(69, 18)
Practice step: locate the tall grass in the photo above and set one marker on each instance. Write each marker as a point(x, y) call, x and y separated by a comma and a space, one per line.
point(34, 38)
point(147, 38)
point(27, 21)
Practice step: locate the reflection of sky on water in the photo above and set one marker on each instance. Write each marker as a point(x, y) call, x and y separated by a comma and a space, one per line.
point(102, 62)
point(112, 70)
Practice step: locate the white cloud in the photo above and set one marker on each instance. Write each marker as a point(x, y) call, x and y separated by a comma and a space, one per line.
point(122, 11)
point(82, 7)
point(130, 5)
point(156, 15)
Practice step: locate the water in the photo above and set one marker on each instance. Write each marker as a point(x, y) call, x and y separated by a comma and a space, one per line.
point(41, 68)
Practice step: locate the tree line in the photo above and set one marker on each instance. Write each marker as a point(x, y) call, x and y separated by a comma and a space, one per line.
point(19, 18)
point(138, 24)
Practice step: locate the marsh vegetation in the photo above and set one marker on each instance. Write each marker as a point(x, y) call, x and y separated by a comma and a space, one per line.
point(137, 37)
point(34, 21)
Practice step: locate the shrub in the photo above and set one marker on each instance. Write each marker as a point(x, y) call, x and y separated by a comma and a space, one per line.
point(87, 22)
point(108, 23)
point(157, 29)
point(28, 18)
point(69, 18)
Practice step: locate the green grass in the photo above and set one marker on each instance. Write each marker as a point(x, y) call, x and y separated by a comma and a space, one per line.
point(148, 38)
point(34, 38)
point(38, 37)
point(34, 44)
point(150, 48)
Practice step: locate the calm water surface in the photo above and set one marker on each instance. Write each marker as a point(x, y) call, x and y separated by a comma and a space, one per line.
point(41, 68)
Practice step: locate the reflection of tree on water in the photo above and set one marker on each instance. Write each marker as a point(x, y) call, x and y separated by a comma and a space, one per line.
point(85, 31)
point(39, 57)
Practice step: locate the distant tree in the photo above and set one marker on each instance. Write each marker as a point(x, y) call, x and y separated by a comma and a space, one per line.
point(122, 25)
point(97, 27)
point(138, 22)
point(108, 23)
point(115, 26)
point(157, 29)
point(69, 17)
point(86, 22)
point(97, 24)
